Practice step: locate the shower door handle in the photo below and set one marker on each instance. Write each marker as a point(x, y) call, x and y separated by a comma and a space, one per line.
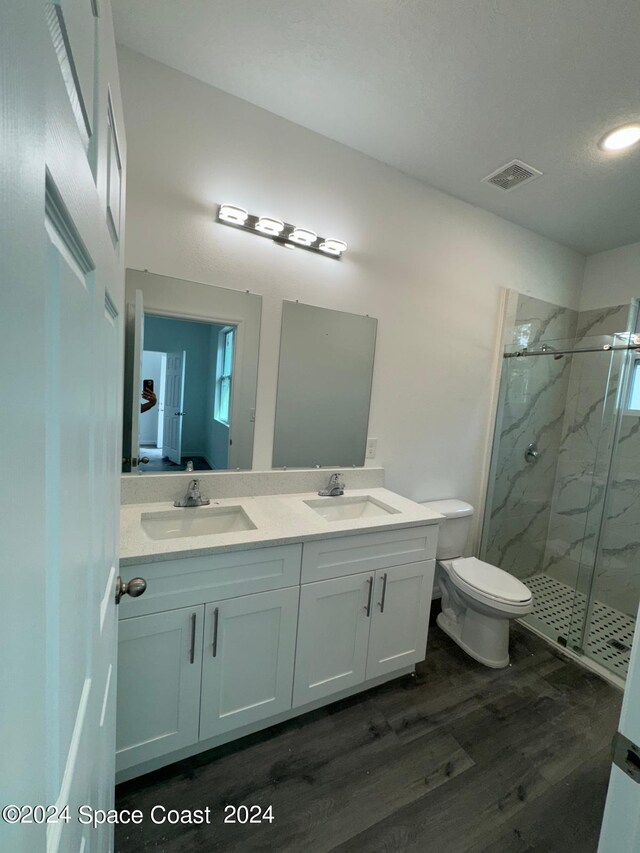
point(532, 453)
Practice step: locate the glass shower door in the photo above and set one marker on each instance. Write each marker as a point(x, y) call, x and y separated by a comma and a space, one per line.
point(604, 615)
point(582, 476)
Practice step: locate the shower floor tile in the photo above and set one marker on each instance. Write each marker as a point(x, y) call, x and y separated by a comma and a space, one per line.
point(609, 636)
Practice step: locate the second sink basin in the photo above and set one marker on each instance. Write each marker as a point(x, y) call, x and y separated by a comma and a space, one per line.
point(344, 508)
point(199, 521)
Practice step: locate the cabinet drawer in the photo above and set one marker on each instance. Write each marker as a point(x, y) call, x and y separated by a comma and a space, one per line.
point(196, 580)
point(365, 552)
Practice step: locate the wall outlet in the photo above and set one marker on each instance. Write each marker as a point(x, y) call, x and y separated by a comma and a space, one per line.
point(372, 448)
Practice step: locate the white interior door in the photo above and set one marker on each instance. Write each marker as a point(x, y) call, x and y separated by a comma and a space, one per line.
point(61, 305)
point(161, 386)
point(137, 320)
point(621, 823)
point(173, 403)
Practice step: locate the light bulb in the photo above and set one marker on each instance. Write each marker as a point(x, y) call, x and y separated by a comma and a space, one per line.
point(270, 226)
point(622, 137)
point(333, 247)
point(231, 213)
point(303, 236)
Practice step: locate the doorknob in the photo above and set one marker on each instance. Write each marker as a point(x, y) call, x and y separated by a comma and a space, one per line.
point(134, 587)
point(143, 460)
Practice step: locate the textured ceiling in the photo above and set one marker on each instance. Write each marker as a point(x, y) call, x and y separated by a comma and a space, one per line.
point(445, 90)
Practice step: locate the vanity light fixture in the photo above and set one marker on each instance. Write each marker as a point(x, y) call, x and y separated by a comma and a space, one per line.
point(333, 247)
point(231, 213)
point(269, 226)
point(621, 137)
point(303, 237)
point(283, 233)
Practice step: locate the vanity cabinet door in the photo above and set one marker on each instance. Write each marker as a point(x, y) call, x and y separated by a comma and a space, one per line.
point(399, 617)
point(249, 651)
point(159, 665)
point(333, 634)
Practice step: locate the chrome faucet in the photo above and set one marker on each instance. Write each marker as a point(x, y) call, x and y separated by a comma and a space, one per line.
point(335, 487)
point(193, 496)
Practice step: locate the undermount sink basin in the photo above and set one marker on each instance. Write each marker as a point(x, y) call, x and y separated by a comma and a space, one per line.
point(344, 508)
point(198, 521)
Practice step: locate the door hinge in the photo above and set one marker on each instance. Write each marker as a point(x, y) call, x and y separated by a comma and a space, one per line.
point(626, 755)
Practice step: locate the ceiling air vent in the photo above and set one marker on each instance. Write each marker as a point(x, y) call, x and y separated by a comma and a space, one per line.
point(514, 174)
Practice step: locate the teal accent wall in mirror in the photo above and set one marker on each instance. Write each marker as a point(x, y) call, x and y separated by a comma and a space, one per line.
point(191, 371)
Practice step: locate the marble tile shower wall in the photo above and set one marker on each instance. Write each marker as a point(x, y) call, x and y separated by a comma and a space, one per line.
point(533, 400)
point(584, 457)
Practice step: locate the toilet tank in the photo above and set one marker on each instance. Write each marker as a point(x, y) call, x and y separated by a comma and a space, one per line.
point(454, 530)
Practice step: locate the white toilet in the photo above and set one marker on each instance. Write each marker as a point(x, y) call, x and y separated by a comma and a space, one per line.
point(478, 599)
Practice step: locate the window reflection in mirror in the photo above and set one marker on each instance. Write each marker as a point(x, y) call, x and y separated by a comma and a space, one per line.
point(191, 361)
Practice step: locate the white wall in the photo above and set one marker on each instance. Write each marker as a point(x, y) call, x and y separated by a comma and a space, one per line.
point(611, 278)
point(428, 266)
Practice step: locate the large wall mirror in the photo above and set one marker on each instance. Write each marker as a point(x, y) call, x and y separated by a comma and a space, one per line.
point(191, 371)
point(324, 387)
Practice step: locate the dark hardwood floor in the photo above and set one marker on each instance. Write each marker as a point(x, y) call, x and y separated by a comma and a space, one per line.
point(459, 758)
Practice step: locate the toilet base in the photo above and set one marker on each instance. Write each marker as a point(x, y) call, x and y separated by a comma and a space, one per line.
point(482, 637)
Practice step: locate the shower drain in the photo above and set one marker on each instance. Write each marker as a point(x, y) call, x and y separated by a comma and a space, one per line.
point(621, 647)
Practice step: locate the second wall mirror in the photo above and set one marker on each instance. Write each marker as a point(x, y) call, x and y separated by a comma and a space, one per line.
point(324, 387)
point(191, 371)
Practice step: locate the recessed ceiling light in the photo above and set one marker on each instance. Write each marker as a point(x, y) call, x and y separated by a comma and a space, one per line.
point(621, 137)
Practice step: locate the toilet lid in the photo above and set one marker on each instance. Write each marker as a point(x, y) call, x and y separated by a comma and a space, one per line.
point(490, 580)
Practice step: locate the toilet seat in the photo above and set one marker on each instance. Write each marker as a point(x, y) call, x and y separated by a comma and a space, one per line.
point(489, 584)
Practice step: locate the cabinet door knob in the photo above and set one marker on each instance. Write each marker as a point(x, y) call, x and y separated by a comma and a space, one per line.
point(134, 588)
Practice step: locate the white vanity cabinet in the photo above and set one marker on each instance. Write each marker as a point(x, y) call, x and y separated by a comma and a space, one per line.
point(172, 692)
point(247, 668)
point(356, 628)
point(224, 644)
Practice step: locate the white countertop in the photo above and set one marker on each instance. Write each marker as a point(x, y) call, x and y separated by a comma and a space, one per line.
point(279, 519)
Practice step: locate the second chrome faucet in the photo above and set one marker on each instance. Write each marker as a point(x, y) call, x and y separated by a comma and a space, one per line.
point(193, 496)
point(334, 487)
